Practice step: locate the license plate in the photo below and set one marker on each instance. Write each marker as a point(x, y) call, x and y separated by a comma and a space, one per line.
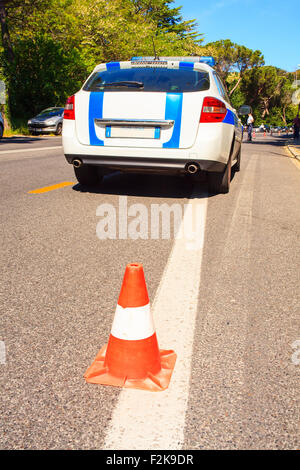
point(132, 132)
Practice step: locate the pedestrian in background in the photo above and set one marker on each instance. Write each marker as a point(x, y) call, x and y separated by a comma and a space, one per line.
point(250, 122)
point(296, 124)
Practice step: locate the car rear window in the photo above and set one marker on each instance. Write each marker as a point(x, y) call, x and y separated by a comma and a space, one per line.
point(52, 111)
point(149, 79)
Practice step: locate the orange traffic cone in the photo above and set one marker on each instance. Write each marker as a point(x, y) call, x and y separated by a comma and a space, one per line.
point(131, 359)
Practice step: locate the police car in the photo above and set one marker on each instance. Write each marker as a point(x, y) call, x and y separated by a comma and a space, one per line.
point(167, 115)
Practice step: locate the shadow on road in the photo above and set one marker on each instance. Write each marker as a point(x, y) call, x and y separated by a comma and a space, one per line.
point(151, 185)
point(23, 139)
point(278, 142)
point(142, 185)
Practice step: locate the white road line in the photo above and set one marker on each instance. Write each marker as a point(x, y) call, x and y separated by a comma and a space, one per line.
point(33, 149)
point(145, 420)
point(242, 211)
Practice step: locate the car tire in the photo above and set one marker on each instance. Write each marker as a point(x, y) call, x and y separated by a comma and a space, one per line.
point(219, 183)
point(1, 131)
point(87, 175)
point(237, 165)
point(58, 129)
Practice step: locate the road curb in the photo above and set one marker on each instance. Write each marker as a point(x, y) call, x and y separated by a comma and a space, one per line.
point(294, 151)
point(30, 136)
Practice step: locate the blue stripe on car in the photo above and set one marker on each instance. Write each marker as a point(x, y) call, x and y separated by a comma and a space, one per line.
point(229, 118)
point(95, 112)
point(174, 111)
point(113, 65)
point(186, 65)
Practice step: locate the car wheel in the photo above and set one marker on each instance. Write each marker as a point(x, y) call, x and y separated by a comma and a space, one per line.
point(237, 165)
point(219, 183)
point(87, 175)
point(1, 131)
point(58, 129)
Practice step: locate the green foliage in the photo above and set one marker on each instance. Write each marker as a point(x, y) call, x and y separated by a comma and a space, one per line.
point(166, 18)
point(238, 99)
point(57, 43)
point(17, 126)
point(43, 74)
point(232, 57)
point(269, 90)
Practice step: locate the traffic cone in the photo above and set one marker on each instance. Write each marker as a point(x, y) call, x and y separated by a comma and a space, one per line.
point(132, 359)
point(264, 133)
point(253, 134)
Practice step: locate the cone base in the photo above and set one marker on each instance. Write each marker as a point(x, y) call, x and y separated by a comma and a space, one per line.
point(97, 373)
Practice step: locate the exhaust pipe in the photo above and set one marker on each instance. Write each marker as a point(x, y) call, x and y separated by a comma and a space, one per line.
point(192, 168)
point(77, 163)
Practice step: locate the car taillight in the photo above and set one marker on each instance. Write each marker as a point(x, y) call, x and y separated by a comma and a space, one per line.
point(213, 110)
point(69, 112)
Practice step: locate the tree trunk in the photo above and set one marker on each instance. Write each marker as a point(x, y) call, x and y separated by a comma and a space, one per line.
point(265, 103)
point(235, 86)
point(6, 42)
point(6, 122)
point(8, 50)
point(283, 116)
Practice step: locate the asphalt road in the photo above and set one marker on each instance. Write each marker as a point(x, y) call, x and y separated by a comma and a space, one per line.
point(60, 285)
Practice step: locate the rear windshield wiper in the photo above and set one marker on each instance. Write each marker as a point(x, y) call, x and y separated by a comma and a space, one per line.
point(128, 84)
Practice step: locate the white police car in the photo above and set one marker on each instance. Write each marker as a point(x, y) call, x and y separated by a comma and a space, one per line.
point(168, 115)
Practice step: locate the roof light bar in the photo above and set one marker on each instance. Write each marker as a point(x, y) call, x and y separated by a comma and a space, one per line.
point(206, 60)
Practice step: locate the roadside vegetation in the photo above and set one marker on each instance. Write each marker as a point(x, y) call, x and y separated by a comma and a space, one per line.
point(48, 49)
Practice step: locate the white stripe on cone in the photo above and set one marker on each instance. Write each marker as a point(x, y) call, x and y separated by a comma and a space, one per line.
point(133, 323)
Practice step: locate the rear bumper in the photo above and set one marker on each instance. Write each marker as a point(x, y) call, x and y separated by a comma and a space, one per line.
point(144, 164)
point(210, 152)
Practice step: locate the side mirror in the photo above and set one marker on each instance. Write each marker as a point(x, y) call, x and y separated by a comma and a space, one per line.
point(245, 109)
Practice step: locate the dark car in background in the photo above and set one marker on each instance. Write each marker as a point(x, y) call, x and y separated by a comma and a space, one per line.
point(47, 121)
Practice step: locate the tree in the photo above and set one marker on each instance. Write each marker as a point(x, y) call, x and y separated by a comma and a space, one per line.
point(261, 85)
point(6, 41)
point(44, 74)
point(246, 59)
point(83, 33)
point(167, 18)
point(232, 57)
point(269, 91)
point(285, 98)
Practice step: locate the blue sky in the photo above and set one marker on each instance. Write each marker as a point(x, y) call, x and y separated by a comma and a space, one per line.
point(272, 26)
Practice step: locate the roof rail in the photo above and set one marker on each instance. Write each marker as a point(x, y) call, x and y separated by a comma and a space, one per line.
point(206, 60)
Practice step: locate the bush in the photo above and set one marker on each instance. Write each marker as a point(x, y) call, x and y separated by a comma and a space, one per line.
point(43, 74)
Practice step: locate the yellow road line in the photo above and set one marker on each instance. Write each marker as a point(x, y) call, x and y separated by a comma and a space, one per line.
point(50, 188)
